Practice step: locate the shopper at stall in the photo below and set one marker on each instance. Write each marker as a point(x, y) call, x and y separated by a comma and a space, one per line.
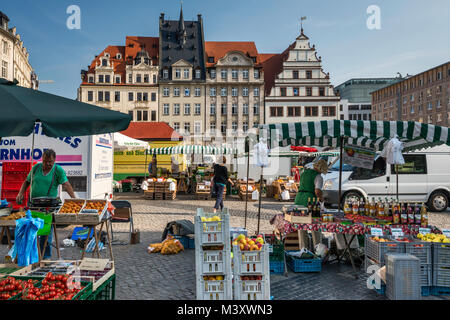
point(219, 180)
point(47, 176)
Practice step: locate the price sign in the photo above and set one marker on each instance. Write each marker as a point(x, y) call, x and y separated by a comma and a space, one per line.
point(376, 232)
point(93, 264)
point(397, 232)
point(424, 230)
point(446, 232)
point(270, 248)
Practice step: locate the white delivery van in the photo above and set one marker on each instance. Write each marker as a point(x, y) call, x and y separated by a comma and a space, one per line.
point(425, 177)
point(87, 160)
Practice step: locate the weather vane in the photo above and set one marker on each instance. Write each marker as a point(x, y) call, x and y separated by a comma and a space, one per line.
point(301, 22)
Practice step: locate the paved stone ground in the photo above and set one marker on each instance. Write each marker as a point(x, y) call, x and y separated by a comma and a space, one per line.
point(157, 277)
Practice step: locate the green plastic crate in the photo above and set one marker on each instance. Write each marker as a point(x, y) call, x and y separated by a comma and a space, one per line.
point(47, 217)
point(277, 251)
point(107, 291)
point(23, 278)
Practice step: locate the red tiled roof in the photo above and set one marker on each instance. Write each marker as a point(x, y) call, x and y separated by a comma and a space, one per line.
point(151, 131)
point(272, 66)
point(218, 49)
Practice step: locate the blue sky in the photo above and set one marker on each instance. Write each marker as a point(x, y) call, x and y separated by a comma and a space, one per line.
point(413, 35)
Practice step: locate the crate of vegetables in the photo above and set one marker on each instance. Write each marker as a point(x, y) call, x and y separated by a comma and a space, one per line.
point(97, 276)
point(376, 248)
point(12, 287)
point(252, 288)
point(8, 268)
point(69, 210)
point(214, 287)
point(92, 212)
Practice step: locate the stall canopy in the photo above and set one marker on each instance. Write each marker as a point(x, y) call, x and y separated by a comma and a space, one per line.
point(123, 142)
point(21, 108)
point(372, 134)
point(193, 149)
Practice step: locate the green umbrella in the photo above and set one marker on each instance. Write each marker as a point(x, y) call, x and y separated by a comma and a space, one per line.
point(21, 108)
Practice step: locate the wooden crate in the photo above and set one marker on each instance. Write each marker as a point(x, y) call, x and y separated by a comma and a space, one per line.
point(203, 195)
point(297, 219)
point(171, 195)
point(242, 195)
point(159, 196)
point(292, 241)
point(150, 195)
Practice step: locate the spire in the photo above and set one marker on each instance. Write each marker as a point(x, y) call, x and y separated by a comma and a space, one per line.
point(181, 27)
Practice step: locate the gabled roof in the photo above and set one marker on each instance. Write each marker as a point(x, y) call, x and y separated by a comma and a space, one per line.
point(272, 66)
point(151, 131)
point(218, 50)
point(118, 64)
point(151, 45)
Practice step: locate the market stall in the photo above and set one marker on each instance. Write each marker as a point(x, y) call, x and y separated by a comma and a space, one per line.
point(339, 133)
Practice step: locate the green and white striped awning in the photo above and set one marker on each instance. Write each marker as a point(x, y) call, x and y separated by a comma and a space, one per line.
point(193, 149)
point(372, 134)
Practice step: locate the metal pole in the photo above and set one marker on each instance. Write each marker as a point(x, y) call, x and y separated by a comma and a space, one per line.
point(340, 170)
point(32, 154)
point(396, 175)
point(246, 194)
point(261, 184)
point(145, 165)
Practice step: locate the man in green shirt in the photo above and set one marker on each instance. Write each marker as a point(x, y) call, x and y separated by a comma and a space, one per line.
point(47, 176)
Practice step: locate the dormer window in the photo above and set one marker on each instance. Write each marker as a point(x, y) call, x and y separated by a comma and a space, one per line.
point(117, 79)
point(254, 59)
point(165, 73)
point(186, 74)
point(211, 59)
point(177, 73)
point(198, 74)
point(91, 79)
point(107, 54)
point(137, 61)
point(118, 56)
point(104, 62)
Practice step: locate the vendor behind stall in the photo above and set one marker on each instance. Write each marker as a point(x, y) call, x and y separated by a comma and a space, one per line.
point(311, 183)
point(47, 176)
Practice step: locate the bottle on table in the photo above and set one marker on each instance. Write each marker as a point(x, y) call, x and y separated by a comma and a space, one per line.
point(373, 208)
point(424, 216)
point(386, 207)
point(347, 209)
point(403, 214)
point(361, 207)
point(309, 206)
point(395, 213)
point(355, 207)
point(410, 211)
point(380, 208)
point(313, 213)
point(367, 207)
point(417, 214)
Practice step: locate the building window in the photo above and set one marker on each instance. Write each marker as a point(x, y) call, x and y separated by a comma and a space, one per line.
point(308, 91)
point(153, 96)
point(138, 78)
point(130, 113)
point(329, 111)
point(187, 108)
point(117, 96)
point(234, 108)
point(117, 79)
point(139, 115)
point(212, 109)
point(256, 74)
point(130, 78)
point(145, 96)
point(223, 127)
point(166, 92)
point(430, 118)
point(245, 92)
point(438, 117)
point(176, 92)
point(405, 100)
point(187, 92)
point(100, 96)
point(197, 108)
point(245, 108)
point(296, 92)
point(245, 126)
point(197, 127)
point(154, 78)
point(256, 92)
point(438, 104)
point(212, 128)
point(295, 74)
point(223, 92)
point(91, 79)
point(146, 78)
point(197, 92)
point(283, 92)
point(294, 111)
point(234, 74)
point(90, 96)
point(187, 128)
point(430, 106)
point(104, 63)
point(223, 74)
point(130, 96)
point(276, 111)
point(5, 48)
point(322, 92)
point(234, 92)
point(245, 73)
point(177, 73)
point(213, 73)
point(308, 74)
point(100, 79)
point(212, 92)
point(176, 108)
point(144, 115)
point(234, 126)
point(256, 108)
point(210, 59)
point(198, 74)
point(139, 96)
point(166, 109)
point(224, 108)
point(153, 115)
point(107, 79)
point(311, 111)
point(176, 126)
point(165, 73)
point(186, 73)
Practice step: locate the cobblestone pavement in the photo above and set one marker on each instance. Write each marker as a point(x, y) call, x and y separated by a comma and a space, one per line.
point(157, 277)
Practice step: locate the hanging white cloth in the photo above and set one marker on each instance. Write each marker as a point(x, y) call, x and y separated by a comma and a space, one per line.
point(393, 151)
point(261, 153)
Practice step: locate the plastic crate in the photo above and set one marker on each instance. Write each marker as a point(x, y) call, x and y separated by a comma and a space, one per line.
point(425, 291)
point(440, 291)
point(441, 253)
point(212, 232)
point(377, 250)
point(214, 289)
point(184, 241)
point(276, 267)
point(106, 291)
point(441, 275)
point(420, 249)
point(303, 265)
point(426, 275)
point(276, 247)
point(9, 166)
point(191, 243)
point(13, 185)
point(23, 278)
point(252, 289)
point(402, 277)
point(251, 262)
point(213, 261)
point(47, 227)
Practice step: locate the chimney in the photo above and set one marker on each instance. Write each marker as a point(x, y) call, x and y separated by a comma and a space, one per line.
point(162, 17)
point(199, 16)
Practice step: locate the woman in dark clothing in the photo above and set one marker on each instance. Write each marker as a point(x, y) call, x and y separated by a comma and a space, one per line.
point(219, 180)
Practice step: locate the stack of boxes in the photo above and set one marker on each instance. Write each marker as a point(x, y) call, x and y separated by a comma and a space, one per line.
point(13, 175)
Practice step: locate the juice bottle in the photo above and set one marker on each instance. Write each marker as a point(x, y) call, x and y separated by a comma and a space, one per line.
point(362, 206)
point(424, 216)
point(410, 211)
point(355, 207)
point(380, 208)
point(373, 208)
point(403, 214)
point(367, 207)
point(309, 206)
point(347, 209)
point(387, 212)
point(417, 214)
point(395, 214)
